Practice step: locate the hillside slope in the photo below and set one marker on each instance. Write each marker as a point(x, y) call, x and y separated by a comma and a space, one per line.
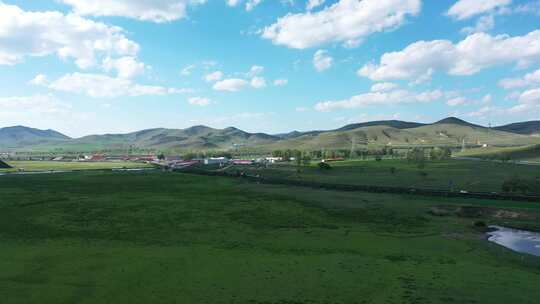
point(450, 131)
point(526, 128)
point(19, 136)
point(397, 124)
point(447, 132)
point(194, 138)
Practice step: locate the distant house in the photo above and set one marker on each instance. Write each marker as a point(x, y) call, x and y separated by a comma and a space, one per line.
point(3, 165)
point(216, 161)
point(329, 160)
point(243, 162)
point(274, 159)
point(144, 158)
point(183, 164)
point(97, 158)
point(114, 158)
point(173, 158)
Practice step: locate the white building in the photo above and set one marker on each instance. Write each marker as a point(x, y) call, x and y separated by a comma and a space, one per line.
point(274, 159)
point(216, 161)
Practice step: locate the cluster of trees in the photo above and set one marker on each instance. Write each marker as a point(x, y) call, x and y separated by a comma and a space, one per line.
point(422, 154)
point(338, 153)
point(517, 184)
point(440, 153)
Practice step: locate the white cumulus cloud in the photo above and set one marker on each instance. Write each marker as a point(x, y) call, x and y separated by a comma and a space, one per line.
point(156, 10)
point(38, 34)
point(186, 71)
point(126, 67)
point(39, 80)
point(255, 70)
point(103, 86)
point(528, 102)
point(230, 85)
point(251, 4)
point(384, 86)
point(380, 98)
point(311, 4)
point(322, 61)
point(464, 9)
point(258, 82)
point(199, 101)
point(347, 22)
point(39, 104)
point(214, 76)
point(471, 55)
point(281, 82)
point(529, 79)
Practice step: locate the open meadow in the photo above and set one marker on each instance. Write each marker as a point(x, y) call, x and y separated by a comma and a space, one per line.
point(525, 153)
point(154, 237)
point(73, 166)
point(457, 175)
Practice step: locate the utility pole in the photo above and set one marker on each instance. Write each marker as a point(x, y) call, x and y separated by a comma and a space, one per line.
point(463, 145)
point(353, 142)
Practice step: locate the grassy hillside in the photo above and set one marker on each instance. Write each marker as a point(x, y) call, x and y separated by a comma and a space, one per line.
point(528, 153)
point(434, 134)
point(527, 128)
point(447, 132)
point(19, 137)
point(194, 138)
point(166, 238)
point(398, 124)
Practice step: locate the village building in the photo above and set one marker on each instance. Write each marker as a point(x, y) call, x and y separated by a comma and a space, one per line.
point(245, 162)
point(274, 159)
point(216, 161)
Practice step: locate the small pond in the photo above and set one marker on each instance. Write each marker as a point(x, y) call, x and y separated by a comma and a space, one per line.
point(517, 240)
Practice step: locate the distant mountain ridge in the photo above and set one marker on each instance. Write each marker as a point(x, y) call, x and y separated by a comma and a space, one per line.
point(450, 130)
point(527, 128)
point(19, 136)
point(398, 124)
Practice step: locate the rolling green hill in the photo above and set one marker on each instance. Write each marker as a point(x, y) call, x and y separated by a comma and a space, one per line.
point(398, 124)
point(19, 136)
point(447, 132)
point(194, 138)
point(527, 128)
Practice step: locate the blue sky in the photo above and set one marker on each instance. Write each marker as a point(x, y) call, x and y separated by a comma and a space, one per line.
point(85, 67)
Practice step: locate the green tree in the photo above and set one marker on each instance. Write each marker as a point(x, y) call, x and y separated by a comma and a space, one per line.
point(324, 166)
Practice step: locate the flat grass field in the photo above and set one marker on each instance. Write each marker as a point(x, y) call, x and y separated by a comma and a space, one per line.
point(59, 166)
point(465, 175)
point(154, 237)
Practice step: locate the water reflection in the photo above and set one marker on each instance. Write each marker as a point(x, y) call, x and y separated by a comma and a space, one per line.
point(517, 240)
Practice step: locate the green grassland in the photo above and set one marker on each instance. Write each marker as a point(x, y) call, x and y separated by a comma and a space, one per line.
point(60, 166)
point(152, 237)
point(526, 153)
point(461, 174)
